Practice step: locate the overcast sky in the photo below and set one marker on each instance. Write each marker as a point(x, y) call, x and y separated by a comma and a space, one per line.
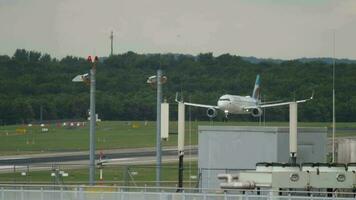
point(262, 28)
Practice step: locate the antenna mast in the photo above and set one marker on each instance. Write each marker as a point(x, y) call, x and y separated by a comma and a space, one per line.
point(333, 133)
point(111, 42)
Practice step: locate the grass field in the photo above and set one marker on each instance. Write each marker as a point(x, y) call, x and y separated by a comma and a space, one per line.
point(118, 175)
point(112, 135)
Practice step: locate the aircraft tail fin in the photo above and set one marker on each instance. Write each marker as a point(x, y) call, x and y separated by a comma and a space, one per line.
point(256, 89)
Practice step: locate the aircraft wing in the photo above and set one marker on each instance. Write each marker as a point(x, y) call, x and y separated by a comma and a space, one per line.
point(200, 105)
point(195, 104)
point(270, 102)
point(278, 104)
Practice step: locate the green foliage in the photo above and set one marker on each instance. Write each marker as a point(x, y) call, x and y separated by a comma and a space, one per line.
point(30, 80)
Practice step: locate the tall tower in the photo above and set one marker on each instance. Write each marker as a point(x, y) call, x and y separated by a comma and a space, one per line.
point(112, 42)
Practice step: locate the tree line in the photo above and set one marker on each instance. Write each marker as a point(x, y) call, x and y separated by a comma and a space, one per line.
point(30, 80)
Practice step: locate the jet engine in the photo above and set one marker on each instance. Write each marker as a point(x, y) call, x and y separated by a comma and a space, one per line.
point(256, 112)
point(211, 112)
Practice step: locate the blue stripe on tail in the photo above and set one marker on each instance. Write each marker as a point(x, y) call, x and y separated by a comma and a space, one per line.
point(256, 89)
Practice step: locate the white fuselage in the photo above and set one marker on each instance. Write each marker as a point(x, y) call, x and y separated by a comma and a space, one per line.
point(235, 104)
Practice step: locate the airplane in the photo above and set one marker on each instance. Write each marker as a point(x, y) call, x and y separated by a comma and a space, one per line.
point(82, 78)
point(236, 104)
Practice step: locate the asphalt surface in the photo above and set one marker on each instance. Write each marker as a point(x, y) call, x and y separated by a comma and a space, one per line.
point(83, 156)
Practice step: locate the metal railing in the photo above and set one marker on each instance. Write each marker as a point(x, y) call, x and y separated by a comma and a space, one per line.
point(56, 192)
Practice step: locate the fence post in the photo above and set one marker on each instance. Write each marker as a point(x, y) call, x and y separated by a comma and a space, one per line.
point(41, 193)
point(2, 193)
point(121, 194)
point(61, 193)
point(22, 194)
point(81, 193)
point(117, 193)
point(271, 194)
point(143, 194)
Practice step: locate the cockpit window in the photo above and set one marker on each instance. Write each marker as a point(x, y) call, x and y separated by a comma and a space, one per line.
point(224, 99)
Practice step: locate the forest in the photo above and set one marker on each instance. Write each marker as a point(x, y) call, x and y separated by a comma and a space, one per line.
point(31, 81)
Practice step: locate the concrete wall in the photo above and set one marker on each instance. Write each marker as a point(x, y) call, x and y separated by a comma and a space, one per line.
point(222, 148)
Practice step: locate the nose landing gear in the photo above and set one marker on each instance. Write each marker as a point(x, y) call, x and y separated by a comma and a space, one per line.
point(226, 112)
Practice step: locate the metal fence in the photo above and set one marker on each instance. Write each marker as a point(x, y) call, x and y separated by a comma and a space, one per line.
point(55, 192)
point(71, 195)
point(119, 175)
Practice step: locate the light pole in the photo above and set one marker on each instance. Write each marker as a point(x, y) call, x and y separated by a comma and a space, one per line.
point(157, 81)
point(158, 124)
point(92, 120)
point(85, 78)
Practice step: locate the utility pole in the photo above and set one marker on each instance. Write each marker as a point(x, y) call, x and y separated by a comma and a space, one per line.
point(112, 43)
point(158, 124)
point(92, 120)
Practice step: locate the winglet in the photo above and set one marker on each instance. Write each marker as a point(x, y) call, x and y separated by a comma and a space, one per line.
point(305, 100)
point(177, 94)
point(312, 96)
point(177, 97)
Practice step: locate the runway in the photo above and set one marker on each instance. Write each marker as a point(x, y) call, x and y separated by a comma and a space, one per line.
point(72, 160)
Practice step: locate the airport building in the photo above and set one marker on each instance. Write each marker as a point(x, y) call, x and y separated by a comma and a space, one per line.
point(230, 149)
